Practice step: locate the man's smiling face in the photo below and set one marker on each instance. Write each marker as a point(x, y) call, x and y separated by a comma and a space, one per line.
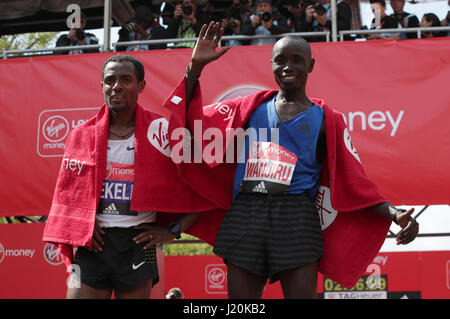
point(291, 63)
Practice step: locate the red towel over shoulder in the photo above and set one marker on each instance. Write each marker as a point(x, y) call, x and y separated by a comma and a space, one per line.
point(352, 235)
point(157, 186)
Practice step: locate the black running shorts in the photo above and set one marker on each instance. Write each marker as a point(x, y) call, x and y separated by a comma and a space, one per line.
point(121, 265)
point(266, 234)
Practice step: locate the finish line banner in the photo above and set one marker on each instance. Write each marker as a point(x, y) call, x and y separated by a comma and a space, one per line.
point(392, 94)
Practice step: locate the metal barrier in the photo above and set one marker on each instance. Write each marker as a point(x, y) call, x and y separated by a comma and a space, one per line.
point(52, 50)
point(402, 30)
point(325, 34)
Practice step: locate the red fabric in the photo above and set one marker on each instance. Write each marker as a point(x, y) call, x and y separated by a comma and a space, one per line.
point(79, 184)
point(353, 239)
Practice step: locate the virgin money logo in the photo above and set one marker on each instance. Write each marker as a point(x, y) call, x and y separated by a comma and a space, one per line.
point(108, 169)
point(216, 279)
point(55, 125)
point(238, 92)
point(51, 254)
point(2, 253)
point(158, 135)
point(323, 204)
point(55, 128)
point(350, 146)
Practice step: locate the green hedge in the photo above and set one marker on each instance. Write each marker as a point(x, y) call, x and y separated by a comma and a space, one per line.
point(187, 249)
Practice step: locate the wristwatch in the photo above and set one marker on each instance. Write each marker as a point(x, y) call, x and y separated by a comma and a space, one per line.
point(174, 228)
point(394, 214)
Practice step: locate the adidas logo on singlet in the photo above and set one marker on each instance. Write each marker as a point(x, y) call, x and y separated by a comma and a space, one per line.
point(260, 188)
point(111, 210)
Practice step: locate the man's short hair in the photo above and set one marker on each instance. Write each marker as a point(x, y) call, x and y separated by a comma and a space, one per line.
point(266, 1)
point(143, 13)
point(138, 66)
point(380, 1)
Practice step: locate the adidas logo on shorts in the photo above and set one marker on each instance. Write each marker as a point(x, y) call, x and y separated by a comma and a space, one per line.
point(260, 188)
point(111, 210)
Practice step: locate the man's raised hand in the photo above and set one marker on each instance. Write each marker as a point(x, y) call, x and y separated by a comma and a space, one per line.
point(205, 48)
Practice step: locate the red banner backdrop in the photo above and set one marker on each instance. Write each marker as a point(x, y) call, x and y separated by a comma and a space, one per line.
point(393, 94)
point(30, 268)
point(390, 276)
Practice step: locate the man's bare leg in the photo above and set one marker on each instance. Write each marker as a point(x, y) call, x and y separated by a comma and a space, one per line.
point(141, 292)
point(243, 284)
point(86, 292)
point(300, 282)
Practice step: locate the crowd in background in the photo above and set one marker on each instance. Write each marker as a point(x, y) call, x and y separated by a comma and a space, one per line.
point(183, 19)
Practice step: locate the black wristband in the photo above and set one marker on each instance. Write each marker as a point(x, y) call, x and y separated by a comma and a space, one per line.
point(190, 77)
point(394, 216)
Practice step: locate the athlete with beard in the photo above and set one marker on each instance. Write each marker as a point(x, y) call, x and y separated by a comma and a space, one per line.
point(121, 257)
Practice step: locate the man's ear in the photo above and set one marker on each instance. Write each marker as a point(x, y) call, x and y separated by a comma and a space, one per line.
point(311, 65)
point(141, 86)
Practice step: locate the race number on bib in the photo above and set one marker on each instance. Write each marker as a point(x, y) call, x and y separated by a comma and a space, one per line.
point(269, 168)
point(117, 190)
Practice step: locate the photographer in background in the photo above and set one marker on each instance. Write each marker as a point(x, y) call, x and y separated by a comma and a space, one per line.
point(294, 11)
point(144, 26)
point(446, 21)
point(318, 17)
point(231, 26)
point(77, 36)
point(187, 22)
point(382, 21)
point(240, 10)
point(404, 19)
point(265, 21)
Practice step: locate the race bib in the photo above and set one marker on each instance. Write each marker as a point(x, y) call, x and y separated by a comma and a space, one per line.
point(269, 168)
point(117, 190)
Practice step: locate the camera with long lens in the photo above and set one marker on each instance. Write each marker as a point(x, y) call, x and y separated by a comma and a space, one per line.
point(293, 3)
point(306, 4)
point(265, 16)
point(80, 34)
point(320, 9)
point(187, 9)
point(233, 23)
point(130, 26)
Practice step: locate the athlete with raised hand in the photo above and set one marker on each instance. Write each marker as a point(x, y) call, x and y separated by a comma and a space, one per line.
point(272, 228)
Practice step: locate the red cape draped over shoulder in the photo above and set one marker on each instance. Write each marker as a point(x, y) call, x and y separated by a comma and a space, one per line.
point(157, 186)
point(352, 234)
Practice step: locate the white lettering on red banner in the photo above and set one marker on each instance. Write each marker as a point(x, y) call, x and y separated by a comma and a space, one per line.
point(55, 125)
point(224, 110)
point(51, 254)
point(157, 134)
point(73, 164)
point(376, 120)
point(15, 253)
point(215, 281)
point(2, 253)
point(350, 146)
point(323, 204)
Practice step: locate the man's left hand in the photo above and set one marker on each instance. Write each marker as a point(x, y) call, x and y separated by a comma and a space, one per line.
point(153, 235)
point(410, 227)
point(321, 19)
point(267, 24)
